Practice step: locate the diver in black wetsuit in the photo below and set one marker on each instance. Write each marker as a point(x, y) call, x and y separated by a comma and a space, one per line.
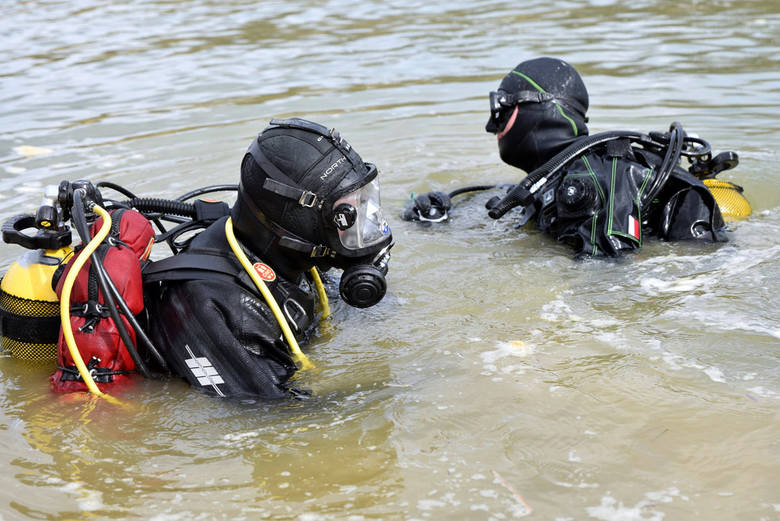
point(603, 194)
point(306, 201)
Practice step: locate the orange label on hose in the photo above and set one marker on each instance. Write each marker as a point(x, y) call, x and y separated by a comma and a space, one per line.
point(265, 271)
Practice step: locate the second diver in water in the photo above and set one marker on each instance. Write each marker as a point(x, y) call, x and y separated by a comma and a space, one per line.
point(604, 194)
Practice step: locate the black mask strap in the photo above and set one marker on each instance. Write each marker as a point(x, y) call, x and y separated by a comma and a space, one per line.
point(287, 239)
point(503, 100)
point(331, 134)
point(278, 182)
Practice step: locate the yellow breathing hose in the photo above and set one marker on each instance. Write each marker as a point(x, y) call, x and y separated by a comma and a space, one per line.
point(67, 287)
point(269, 298)
point(315, 275)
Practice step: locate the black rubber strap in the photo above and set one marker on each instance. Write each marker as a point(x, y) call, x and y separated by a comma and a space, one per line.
point(31, 330)
point(287, 239)
point(531, 96)
point(205, 266)
point(304, 197)
point(157, 270)
point(332, 134)
point(302, 124)
point(101, 375)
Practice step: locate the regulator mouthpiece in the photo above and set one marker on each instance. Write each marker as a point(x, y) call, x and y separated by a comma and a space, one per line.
point(364, 285)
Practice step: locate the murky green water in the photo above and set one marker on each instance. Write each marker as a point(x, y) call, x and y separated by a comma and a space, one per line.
point(499, 379)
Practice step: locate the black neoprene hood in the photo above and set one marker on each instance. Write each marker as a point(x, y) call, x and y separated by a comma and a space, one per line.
point(550, 75)
point(290, 177)
point(542, 129)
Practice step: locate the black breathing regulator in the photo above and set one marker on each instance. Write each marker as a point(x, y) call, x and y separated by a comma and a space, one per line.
point(363, 285)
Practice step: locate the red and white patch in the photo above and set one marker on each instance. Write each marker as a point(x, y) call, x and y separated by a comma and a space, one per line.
point(265, 271)
point(633, 227)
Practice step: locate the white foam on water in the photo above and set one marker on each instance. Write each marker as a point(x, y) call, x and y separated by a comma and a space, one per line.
point(611, 509)
point(682, 285)
point(504, 352)
point(32, 151)
point(239, 436)
point(602, 322)
point(715, 374)
point(430, 504)
point(309, 516)
point(581, 484)
point(556, 311)
point(610, 338)
point(764, 392)
point(677, 362)
point(727, 264)
point(170, 516)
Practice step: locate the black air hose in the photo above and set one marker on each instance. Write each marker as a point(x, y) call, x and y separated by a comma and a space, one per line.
point(127, 193)
point(164, 206)
point(523, 192)
point(467, 189)
point(139, 332)
point(670, 161)
point(80, 222)
point(206, 190)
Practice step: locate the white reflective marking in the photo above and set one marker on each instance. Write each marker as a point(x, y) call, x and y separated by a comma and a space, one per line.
point(204, 371)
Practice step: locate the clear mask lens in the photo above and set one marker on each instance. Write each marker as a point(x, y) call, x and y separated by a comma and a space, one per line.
point(370, 225)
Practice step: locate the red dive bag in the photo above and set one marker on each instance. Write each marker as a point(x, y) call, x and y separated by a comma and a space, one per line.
point(124, 250)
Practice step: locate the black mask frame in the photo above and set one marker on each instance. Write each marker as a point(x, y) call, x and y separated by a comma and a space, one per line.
point(502, 103)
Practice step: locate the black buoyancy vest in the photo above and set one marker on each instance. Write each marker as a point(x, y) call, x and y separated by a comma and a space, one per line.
point(209, 258)
point(596, 205)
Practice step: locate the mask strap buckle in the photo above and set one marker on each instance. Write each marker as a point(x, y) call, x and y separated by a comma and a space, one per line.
point(308, 199)
point(305, 198)
point(335, 136)
point(320, 250)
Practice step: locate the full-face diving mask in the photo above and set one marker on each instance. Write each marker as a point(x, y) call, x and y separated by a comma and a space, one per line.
point(359, 219)
point(361, 225)
point(321, 200)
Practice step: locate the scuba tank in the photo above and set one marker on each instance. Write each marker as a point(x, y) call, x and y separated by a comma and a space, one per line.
point(29, 307)
point(730, 198)
point(36, 325)
point(32, 316)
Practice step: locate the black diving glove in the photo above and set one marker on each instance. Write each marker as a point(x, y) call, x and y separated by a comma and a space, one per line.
point(428, 207)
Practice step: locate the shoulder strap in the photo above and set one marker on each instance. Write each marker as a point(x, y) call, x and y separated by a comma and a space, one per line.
point(188, 266)
point(204, 266)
